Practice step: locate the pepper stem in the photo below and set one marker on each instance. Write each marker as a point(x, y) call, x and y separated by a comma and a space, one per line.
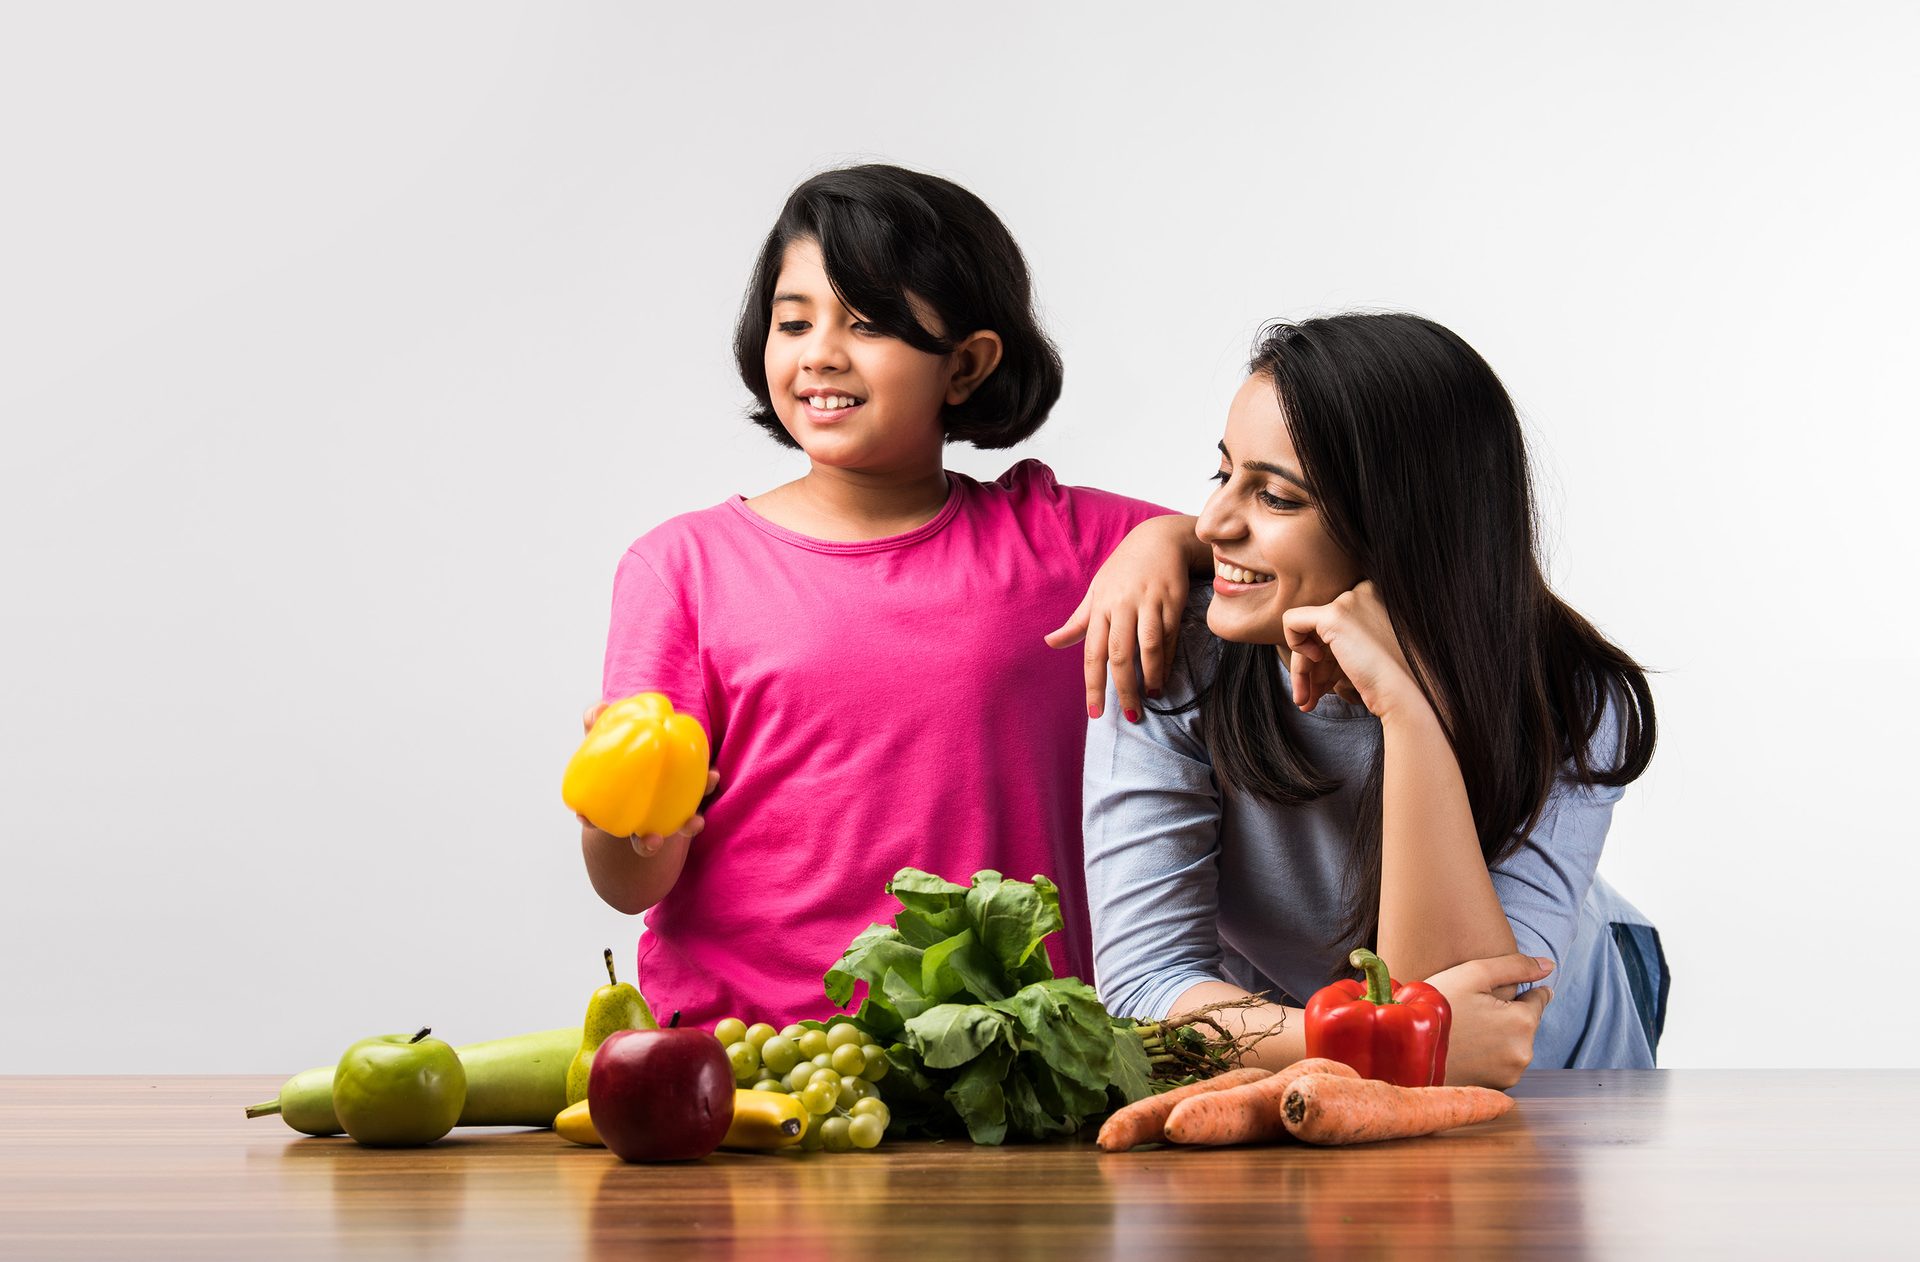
point(1379, 986)
point(611, 979)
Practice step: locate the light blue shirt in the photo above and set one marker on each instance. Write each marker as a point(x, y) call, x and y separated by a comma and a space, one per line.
point(1190, 883)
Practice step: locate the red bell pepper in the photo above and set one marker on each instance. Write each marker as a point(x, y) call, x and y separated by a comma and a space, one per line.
point(1382, 1028)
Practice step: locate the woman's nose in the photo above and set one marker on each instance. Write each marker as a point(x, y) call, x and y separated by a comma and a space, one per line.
point(1216, 521)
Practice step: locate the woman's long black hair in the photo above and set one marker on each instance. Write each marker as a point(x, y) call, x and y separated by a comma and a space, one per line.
point(1414, 457)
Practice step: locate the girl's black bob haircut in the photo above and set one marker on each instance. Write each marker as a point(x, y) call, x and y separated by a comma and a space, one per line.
point(886, 232)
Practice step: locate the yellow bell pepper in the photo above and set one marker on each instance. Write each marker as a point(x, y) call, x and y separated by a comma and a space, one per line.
point(641, 769)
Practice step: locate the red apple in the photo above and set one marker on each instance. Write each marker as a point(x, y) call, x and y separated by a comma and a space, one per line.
point(661, 1095)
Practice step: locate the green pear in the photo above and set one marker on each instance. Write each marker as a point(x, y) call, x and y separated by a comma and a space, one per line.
point(615, 1006)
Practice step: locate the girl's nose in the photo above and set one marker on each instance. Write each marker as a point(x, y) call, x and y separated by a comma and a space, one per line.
point(825, 351)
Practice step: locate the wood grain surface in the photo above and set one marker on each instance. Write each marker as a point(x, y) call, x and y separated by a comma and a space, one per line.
point(1752, 1163)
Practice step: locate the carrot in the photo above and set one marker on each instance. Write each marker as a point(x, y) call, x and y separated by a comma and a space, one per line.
point(1141, 1121)
point(1248, 1113)
point(1323, 1109)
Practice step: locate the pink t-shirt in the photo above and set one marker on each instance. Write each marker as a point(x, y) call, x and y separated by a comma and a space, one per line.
point(871, 706)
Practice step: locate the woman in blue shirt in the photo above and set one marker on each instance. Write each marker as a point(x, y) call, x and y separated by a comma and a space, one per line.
point(1395, 736)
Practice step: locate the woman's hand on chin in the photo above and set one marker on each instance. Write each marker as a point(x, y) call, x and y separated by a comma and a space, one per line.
point(1347, 647)
point(1491, 1043)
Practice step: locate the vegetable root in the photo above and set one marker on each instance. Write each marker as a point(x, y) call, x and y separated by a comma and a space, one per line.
point(1142, 1122)
point(1245, 1114)
point(1325, 1109)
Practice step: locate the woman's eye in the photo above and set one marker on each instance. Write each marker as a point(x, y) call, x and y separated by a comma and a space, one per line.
point(1221, 477)
point(867, 327)
point(1277, 503)
point(792, 326)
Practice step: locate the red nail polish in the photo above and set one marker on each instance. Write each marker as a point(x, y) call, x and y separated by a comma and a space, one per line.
point(1132, 716)
point(1093, 711)
point(1153, 694)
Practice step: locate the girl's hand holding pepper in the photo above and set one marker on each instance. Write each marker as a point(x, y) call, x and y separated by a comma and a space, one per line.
point(646, 845)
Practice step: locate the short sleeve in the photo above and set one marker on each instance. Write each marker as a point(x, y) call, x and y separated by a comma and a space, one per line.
point(1092, 521)
point(653, 642)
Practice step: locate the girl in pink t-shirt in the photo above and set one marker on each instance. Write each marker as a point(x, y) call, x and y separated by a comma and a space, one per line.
point(868, 646)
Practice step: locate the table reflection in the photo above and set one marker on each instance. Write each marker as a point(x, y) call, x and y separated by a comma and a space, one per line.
point(1486, 1190)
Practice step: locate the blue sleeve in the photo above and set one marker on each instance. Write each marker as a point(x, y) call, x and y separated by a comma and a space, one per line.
point(1152, 828)
point(1544, 882)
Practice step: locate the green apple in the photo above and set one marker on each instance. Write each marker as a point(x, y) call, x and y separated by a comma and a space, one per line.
point(395, 1092)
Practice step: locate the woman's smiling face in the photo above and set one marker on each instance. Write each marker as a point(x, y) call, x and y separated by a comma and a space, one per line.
point(1271, 550)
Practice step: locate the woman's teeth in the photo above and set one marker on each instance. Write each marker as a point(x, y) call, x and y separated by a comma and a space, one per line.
point(1234, 574)
point(832, 402)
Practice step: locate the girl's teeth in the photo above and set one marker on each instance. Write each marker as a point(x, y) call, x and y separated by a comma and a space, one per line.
point(1234, 574)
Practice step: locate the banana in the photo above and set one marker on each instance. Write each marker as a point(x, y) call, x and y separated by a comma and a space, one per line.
point(765, 1119)
point(576, 1123)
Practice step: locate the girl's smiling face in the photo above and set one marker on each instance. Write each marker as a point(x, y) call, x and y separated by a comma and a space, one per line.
point(1271, 550)
point(853, 397)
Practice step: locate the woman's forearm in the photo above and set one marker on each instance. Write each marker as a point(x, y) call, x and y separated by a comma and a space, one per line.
point(1287, 1041)
point(1437, 903)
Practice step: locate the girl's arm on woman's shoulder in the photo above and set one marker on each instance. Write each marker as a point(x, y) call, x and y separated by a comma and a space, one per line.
point(1130, 617)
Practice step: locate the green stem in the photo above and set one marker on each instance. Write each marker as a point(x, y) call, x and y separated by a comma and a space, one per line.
point(1379, 987)
point(269, 1109)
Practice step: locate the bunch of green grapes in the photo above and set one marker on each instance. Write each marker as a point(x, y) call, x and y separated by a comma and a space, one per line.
point(831, 1070)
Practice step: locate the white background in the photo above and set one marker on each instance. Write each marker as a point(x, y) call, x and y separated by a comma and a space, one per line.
point(344, 348)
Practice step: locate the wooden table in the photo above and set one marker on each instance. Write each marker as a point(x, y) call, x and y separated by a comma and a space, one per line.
point(1752, 1163)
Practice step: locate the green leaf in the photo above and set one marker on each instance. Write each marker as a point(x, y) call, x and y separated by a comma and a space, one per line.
point(978, 1096)
point(954, 1033)
point(1131, 1070)
point(1012, 918)
point(1026, 1117)
point(959, 967)
point(924, 892)
point(918, 1103)
point(852, 965)
point(1060, 1096)
point(925, 929)
point(903, 994)
point(1038, 967)
point(878, 1017)
point(1063, 1021)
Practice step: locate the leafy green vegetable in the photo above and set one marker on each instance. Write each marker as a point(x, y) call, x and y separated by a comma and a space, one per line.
point(984, 1038)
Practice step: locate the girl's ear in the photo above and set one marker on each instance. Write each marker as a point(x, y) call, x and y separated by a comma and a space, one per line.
point(973, 362)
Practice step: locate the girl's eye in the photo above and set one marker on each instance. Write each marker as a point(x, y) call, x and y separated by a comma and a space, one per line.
point(1278, 504)
point(874, 330)
point(1221, 477)
point(792, 326)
